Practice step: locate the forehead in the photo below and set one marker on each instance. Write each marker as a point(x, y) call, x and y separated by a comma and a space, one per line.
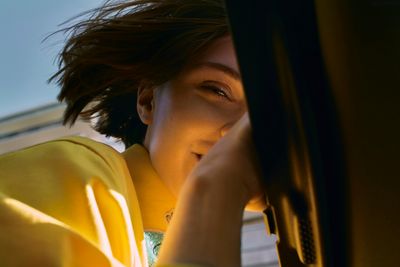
point(221, 51)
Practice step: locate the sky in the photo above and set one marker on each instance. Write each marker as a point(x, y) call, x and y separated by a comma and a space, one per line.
point(25, 61)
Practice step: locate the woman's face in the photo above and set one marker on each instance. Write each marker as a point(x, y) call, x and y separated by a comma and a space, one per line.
point(189, 114)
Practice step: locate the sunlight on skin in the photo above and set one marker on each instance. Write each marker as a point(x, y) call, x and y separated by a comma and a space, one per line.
point(189, 114)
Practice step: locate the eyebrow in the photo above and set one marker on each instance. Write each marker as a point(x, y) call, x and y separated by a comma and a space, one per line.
point(221, 67)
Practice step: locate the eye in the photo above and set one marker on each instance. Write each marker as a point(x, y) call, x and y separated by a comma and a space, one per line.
point(217, 90)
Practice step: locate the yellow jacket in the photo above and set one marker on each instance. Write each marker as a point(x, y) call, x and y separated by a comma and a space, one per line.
point(76, 202)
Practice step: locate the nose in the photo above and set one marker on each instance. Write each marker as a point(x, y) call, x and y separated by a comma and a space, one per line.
point(225, 129)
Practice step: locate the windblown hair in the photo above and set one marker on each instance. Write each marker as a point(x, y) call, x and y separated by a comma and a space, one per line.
point(123, 46)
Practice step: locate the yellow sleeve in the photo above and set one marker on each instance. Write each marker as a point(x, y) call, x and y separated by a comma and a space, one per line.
point(64, 203)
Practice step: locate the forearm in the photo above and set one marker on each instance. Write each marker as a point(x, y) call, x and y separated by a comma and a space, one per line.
point(206, 226)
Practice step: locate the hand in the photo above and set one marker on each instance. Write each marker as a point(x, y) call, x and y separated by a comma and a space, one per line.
point(231, 166)
point(207, 222)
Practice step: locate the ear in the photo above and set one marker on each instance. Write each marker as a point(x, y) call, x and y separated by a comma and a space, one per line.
point(145, 104)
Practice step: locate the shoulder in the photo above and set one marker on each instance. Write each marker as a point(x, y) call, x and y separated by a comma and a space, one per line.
point(75, 184)
point(66, 143)
point(75, 157)
point(76, 148)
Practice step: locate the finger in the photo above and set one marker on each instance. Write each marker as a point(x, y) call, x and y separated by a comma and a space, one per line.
point(257, 204)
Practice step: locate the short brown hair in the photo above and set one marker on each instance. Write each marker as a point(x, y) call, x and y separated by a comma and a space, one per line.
point(122, 46)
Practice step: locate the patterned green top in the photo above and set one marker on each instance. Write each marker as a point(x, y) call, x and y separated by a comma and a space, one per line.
point(153, 244)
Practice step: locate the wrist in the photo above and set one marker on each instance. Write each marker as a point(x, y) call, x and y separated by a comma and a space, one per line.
point(218, 190)
point(206, 226)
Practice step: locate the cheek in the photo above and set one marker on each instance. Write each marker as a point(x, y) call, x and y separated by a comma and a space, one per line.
point(207, 116)
point(172, 130)
point(170, 148)
point(182, 116)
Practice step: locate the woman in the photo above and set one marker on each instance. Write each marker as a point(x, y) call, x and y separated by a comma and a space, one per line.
point(79, 203)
